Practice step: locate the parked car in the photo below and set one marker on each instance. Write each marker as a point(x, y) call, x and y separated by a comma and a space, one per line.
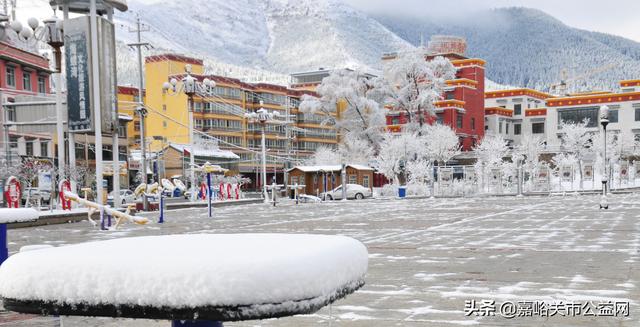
point(126, 196)
point(34, 193)
point(354, 191)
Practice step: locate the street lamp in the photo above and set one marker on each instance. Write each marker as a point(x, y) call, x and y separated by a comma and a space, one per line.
point(51, 33)
point(191, 87)
point(604, 121)
point(262, 116)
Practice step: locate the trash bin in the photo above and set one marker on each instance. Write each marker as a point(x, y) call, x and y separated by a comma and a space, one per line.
point(402, 191)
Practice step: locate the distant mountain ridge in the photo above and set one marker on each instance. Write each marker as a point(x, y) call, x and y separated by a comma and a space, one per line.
point(528, 48)
point(269, 39)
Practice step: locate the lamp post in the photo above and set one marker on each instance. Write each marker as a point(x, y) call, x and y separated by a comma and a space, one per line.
point(604, 121)
point(262, 116)
point(51, 33)
point(190, 87)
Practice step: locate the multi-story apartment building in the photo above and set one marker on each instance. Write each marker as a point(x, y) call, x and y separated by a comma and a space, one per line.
point(523, 113)
point(462, 104)
point(221, 115)
point(516, 114)
point(24, 81)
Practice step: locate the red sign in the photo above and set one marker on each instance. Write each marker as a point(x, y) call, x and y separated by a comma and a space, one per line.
point(12, 192)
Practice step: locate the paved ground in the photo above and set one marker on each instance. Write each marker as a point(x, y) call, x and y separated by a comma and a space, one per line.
point(428, 257)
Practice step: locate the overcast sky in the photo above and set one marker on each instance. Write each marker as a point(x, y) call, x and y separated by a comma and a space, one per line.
point(619, 17)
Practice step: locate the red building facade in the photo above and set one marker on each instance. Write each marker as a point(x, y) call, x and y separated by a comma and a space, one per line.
point(462, 104)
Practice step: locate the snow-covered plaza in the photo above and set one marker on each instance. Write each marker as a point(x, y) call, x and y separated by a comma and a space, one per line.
point(428, 258)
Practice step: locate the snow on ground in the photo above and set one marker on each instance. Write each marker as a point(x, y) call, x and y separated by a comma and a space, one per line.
point(428, 256)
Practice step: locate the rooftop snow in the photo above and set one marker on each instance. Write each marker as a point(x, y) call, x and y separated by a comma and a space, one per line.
point(207, 153)
point(329, 168)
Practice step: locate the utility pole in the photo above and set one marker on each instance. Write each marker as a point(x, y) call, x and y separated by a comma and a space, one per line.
point(95, 66)
point(287, 129)
point(140, 27)
point(115, 146)
point(70, 135)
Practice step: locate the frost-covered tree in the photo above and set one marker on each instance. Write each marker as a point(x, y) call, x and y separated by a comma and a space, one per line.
point(576, 141)
point(29, 172)
point(350, 102)
point(492, 150)
point(396, 150)
point(527, 153)
point(418, 84)
point(323, 156)
point(442, 143)
point(490, 154)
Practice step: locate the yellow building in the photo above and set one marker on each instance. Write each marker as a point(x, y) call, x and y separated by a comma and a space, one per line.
point(221, 116)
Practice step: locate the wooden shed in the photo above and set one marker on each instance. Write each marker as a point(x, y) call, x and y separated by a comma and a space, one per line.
point(318, 179)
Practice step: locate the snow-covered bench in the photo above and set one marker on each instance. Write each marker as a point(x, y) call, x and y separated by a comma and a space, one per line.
point(199, 277)
point(13, 215)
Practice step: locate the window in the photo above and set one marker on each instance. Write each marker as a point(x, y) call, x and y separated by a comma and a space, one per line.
point(44, 149)
point(578, 115)
point(42, 84)
point(26, 80)
point(537, 128)
point(506, 128)
point(395, 120)
point(451, 96)
point(637, 114)
point(11, 113)
point(517, 109)
point(459, 120)
point(613, 116)
point(365, 181)
point(29, 146)
point(517, 129)
point(473, 123)
point(164, 124)
point(500, 127)
point(11, 76)
point(353, 179)
point(164, 107)
point(439, 118)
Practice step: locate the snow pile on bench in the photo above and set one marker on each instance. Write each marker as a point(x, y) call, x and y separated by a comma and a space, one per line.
point(259, 272)
point(17, 215)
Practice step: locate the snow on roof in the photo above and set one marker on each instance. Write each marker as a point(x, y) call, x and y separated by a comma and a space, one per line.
point(207, 153)
point(125, 117)
point(17, 215)
point(329, 168)
point(264, 271)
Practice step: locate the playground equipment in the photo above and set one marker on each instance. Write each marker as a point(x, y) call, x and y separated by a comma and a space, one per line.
point(12, 192)
point(274, 189)
point(295, 187)
point(93, 207)
point(179, 185)
point(168, 186)
point(13, 215)
point(64, 186)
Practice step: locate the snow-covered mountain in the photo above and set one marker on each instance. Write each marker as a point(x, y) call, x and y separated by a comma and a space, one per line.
point(264, 40)
point(527, 47)
point(272, 35)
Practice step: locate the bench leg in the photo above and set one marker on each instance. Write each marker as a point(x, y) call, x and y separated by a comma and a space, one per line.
point(196, 323)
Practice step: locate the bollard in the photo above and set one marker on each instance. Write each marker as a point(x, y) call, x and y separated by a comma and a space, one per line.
point(161, 218)
point(209, 205)
point(4, 250)
point(102, 219)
